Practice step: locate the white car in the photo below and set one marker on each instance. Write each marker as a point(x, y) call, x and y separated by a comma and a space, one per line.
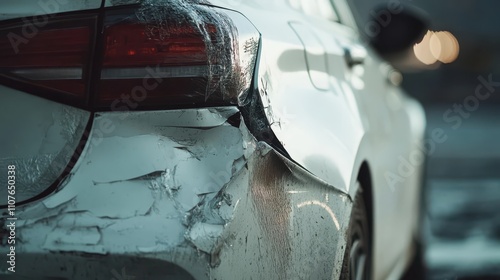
point(203, 139)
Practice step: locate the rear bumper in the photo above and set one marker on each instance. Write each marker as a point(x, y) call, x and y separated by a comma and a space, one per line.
point(181, 195)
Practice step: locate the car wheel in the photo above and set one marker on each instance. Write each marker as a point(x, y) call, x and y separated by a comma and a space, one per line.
point(357, 257)
point(417, 269)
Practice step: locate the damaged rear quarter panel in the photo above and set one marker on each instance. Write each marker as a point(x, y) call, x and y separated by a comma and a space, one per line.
point(288, 225)
point(188, 189)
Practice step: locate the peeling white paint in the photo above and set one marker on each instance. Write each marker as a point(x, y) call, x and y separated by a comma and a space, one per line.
point(75, 236)
point(205, 236)
point(218, 201)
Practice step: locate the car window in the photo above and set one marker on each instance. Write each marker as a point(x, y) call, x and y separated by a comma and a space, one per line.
point(344, 12)
point(322, 8)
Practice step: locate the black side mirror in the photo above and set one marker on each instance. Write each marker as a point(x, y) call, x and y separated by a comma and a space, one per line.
point(399, 31)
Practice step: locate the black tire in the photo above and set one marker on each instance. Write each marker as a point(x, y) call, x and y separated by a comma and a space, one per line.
point(417, 269)
point(358, 252)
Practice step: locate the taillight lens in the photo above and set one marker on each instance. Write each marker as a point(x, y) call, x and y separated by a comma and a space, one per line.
point(54, 57)
point(161, 55)
point(152, 68)
point(155, 55)
point(131, 45)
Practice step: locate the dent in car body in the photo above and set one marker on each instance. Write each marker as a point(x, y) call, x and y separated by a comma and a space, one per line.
point(189, 189)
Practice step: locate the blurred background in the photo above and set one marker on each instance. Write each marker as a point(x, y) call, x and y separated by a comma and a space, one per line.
point(458, 81)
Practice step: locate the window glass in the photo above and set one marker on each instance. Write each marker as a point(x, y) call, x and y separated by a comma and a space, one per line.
point(344, 12)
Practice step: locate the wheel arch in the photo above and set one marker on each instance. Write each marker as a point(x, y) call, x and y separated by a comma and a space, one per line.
point(365, 179)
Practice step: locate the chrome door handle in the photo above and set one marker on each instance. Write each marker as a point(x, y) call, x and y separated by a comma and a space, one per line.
point(353, 58)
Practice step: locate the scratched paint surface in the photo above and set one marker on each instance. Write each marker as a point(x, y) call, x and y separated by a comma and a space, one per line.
point(188, 189)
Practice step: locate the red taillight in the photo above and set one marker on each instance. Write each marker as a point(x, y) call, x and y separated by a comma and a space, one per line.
point(147, 65)
point(168, 56)
point(131, 45)
point(54, 57)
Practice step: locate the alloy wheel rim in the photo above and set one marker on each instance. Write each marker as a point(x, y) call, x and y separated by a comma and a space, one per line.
point(357, 260)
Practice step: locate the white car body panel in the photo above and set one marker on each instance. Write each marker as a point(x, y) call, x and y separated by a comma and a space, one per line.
point(329, 117)
point(227, 210)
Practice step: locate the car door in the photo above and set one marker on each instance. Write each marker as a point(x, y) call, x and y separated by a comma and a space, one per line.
point(393, 124)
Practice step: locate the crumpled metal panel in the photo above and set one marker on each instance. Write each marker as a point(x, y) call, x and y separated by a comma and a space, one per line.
point(283, 221)
point(187, 189)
